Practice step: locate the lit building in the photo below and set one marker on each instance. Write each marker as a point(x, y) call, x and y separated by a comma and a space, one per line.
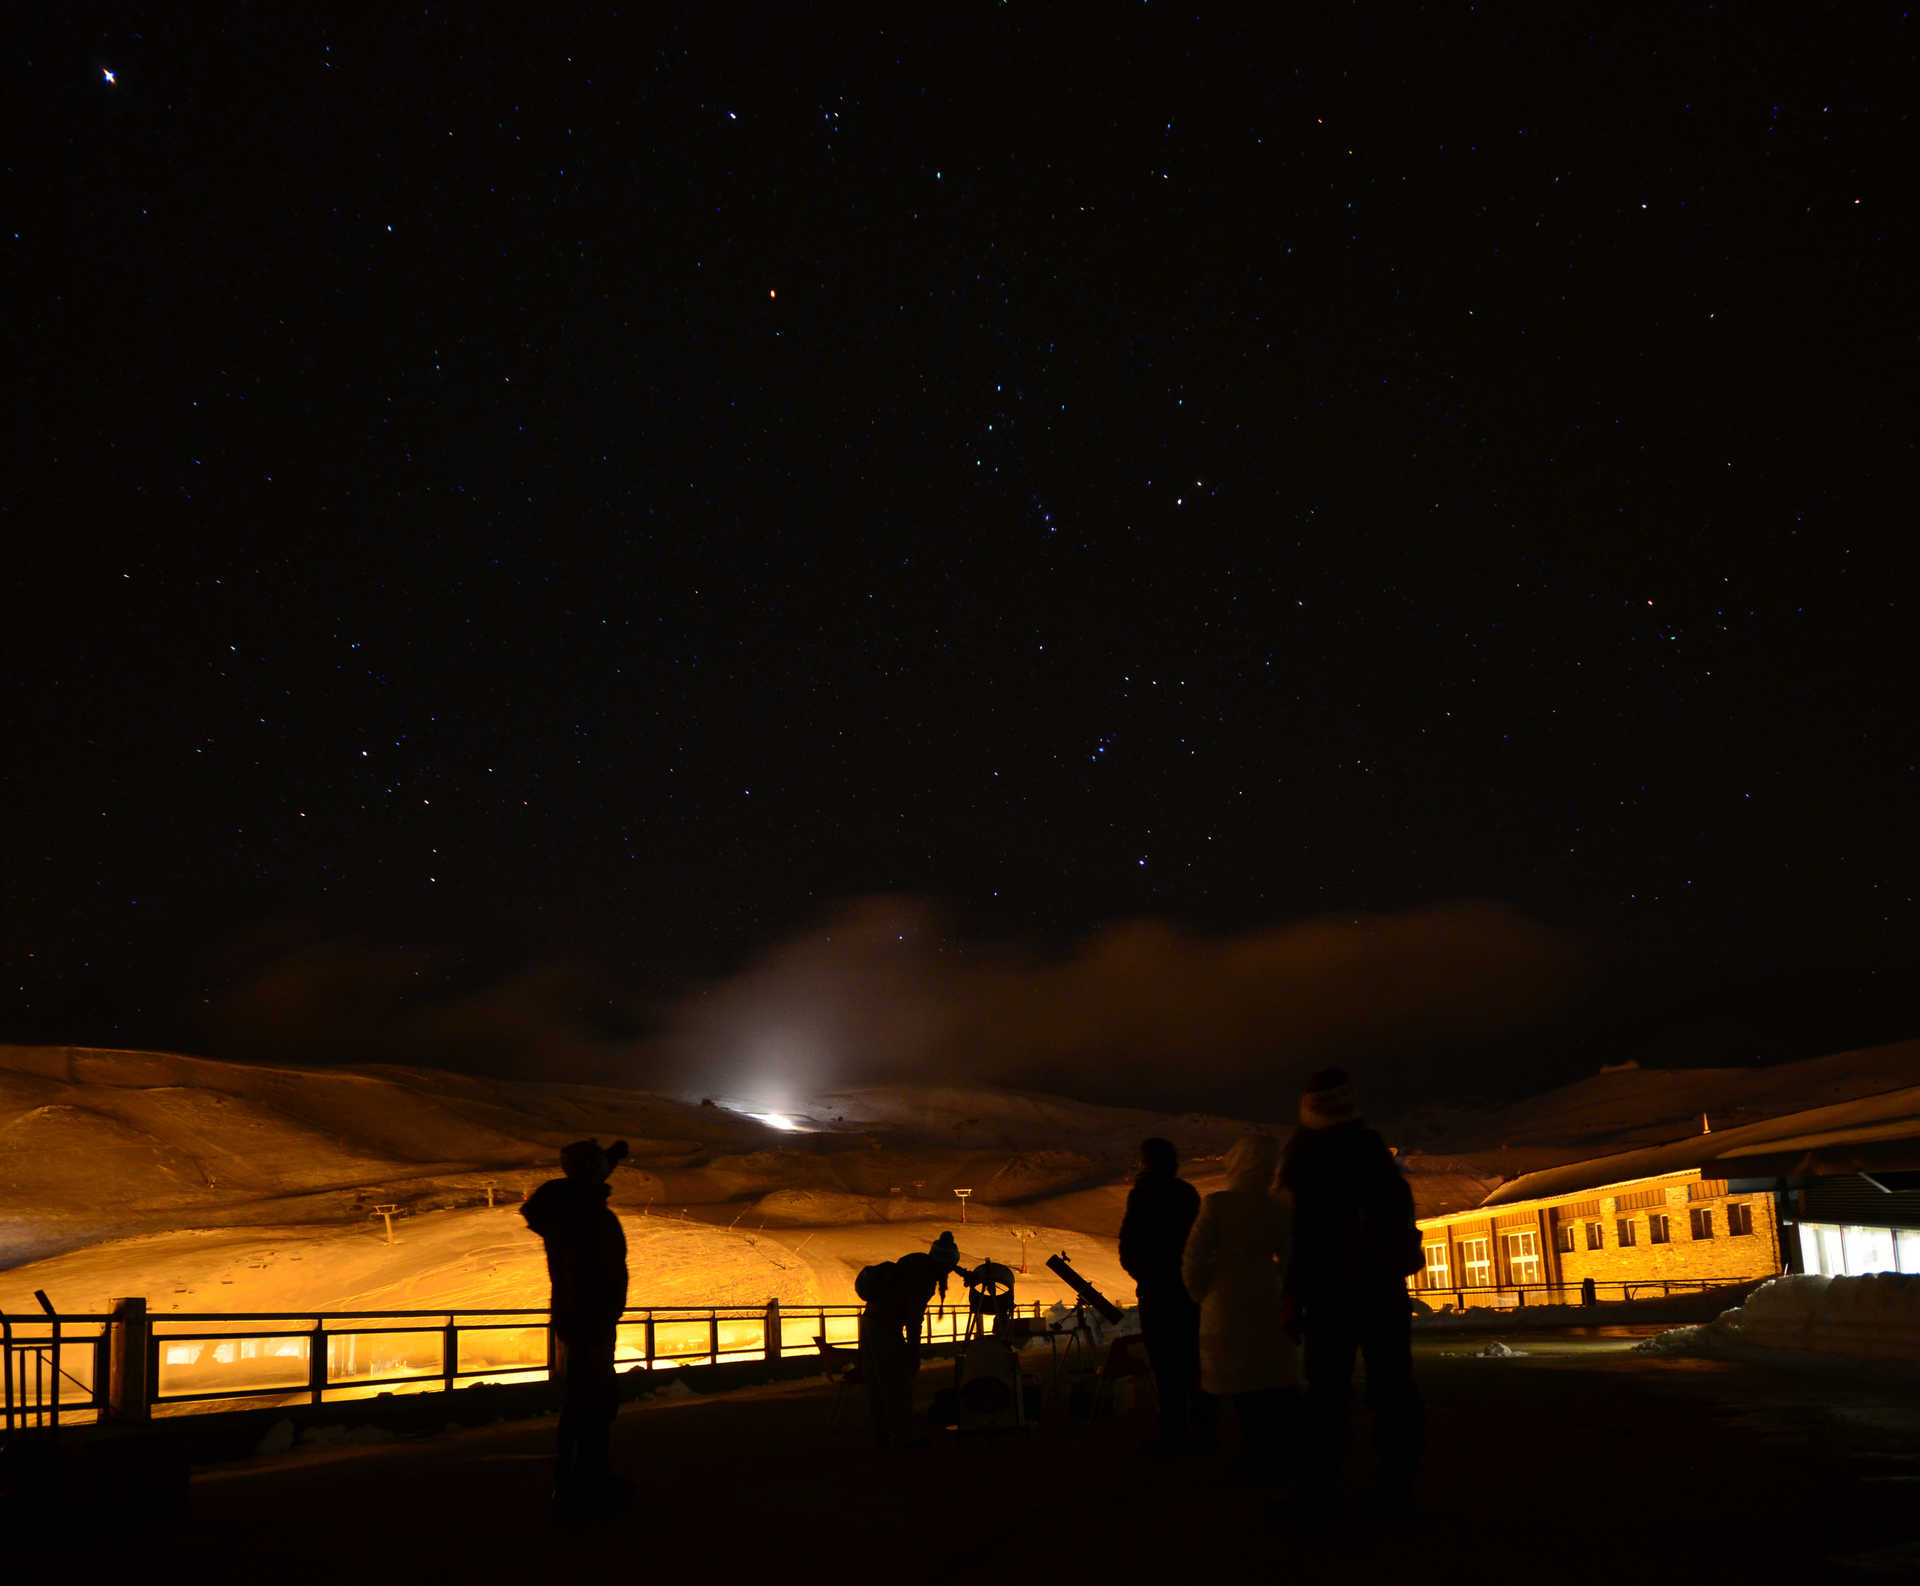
point(1833, 1190)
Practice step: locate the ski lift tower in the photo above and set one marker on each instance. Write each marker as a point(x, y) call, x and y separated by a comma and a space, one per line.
point(963, 1194)
point(385, 1211)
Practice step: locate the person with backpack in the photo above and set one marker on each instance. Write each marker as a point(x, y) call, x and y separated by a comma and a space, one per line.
point(896, 1295)
point(1354, 1243)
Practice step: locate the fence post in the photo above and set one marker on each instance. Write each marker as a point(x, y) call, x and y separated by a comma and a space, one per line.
point(317, 1361)
point(649, 1341)
point(449, 1354)
point(127, 1356)
point(40, 1360)
point(772, 1325)
point(713, 1337)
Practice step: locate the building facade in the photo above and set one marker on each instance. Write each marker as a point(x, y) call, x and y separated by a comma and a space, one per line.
point(1833, 1190)
point(1630, 1239)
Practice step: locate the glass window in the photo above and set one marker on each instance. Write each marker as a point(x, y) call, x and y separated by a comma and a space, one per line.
point(1563, 1238)
point(1867, 1249)
point(1437, 1267)
point(1739, 1217)
point(1656, 1228)
point(1476, 1264)
point(1701, 1219)
point(1820, 1249)
point(1626, 1233)
point(1596, 1237)
point(1906, 1249)
point(1523, 1256)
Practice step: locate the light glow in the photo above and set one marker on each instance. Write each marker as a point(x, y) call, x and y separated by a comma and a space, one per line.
point(774, 1120)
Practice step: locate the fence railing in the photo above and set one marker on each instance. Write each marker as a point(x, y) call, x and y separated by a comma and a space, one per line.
point(128, 1365)
point(1512, 1296)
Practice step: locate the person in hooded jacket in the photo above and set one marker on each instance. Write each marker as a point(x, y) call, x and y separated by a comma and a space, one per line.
point(1161, 1208)
point(587, 1269)
point(1234, 1264)
point(1355, 1242)
point(896, 1294)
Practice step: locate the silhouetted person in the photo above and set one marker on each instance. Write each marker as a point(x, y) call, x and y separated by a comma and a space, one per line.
point(1355, 1242)
point(587, 1266)
point(1234, 1264)
point(1161, 1208)
point(897, 1294)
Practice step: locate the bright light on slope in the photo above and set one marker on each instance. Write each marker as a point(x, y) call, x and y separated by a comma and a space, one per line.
point(773, 1120)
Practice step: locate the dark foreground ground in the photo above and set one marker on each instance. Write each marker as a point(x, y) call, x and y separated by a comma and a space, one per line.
point(1575, 1462)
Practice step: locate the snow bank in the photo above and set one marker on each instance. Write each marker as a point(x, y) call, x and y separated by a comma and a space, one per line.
point(331, 1436)
point(1872, 1317)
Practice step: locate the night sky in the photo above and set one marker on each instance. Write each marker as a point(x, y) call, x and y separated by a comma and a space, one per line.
point(524, 497)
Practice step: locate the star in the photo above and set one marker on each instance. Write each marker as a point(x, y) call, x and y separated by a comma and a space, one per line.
point(104, 72)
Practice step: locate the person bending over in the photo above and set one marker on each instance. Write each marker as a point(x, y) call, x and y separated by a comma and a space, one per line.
point(896, 1294)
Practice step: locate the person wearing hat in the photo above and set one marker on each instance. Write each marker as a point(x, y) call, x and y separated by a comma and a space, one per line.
point(897, 1294)
point(587, 1268)
point(1354, 1243)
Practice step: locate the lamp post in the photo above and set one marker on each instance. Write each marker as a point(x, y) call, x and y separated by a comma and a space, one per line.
point(963, 1194)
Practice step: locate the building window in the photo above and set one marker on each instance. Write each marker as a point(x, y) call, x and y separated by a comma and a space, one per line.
point(1626, 1233)
point(1656, 1228)
point(1837, 1251)
point(1701, 1219)
point(1475, 1264)
point(1739, 1217)
point(1437, 1267)
point(1596, 1237)
point(1523, 1256)
point(1906, 1245)
point(1563, 1238)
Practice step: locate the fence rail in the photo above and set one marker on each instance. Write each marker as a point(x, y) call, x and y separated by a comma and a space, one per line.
point(1511, 1296)
point(126, 1364)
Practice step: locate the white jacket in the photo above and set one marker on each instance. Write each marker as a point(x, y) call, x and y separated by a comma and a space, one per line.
point(1235, 1259)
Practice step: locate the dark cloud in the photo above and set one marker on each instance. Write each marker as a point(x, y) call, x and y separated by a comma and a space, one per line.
point(1142, 1009)
point(293, 995)
point(889, 989)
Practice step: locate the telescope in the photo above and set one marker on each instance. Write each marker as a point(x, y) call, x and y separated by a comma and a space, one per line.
point(1084, 1292)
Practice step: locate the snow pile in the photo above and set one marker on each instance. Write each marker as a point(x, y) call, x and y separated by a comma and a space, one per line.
point(1876, 1315)
point(328, 1436)
point(277, 1438)
point(1872, 1317)
point(1699, 1340)
point(1497, 1351)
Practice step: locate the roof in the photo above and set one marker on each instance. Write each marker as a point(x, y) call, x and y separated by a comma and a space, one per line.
point(1891, 1115)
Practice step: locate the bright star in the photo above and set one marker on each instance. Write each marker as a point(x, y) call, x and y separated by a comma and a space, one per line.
point(106, 74)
